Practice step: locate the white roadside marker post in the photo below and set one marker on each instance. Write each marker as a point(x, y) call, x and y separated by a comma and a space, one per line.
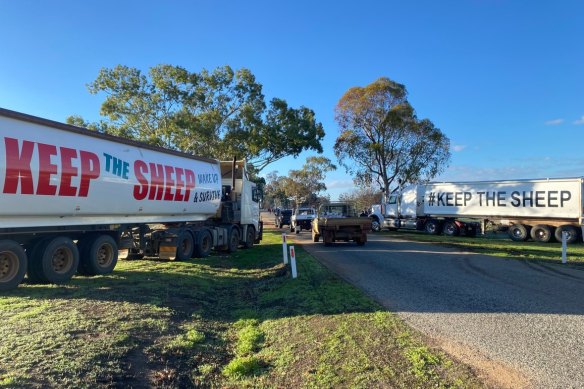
point(293, 262)
point(564, 247)
point(285, 248)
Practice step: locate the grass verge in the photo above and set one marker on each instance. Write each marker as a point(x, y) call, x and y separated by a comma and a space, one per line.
point(498, 244)
point(225, 321)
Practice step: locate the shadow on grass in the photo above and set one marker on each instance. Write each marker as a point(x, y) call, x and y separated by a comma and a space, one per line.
point(246, 284)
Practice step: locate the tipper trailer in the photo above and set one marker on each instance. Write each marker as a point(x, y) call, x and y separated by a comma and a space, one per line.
point(542, 209)
point(72, 199)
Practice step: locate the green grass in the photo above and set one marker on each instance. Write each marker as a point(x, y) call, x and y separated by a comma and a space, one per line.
point(225, 321)
point(499, 245)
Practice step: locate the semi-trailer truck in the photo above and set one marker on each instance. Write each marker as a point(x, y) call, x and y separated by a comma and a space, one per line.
point(72, 200)
point(541, 209)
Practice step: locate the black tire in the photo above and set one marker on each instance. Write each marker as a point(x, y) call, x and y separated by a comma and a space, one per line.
point(315, 237)
point(59, 260)
point(451, 229)
point(249, 237)
point(98, 255)
point(432, 227)
point(542, 233)
point(518, 232)
point(375, 225)
point(204, 244)
point(185, 246)
point(233, 240)
point(13, 264)
point(572, 231)
point(35, 253)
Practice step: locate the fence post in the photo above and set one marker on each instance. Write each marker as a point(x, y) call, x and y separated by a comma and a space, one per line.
point(293, 262)
point(285, 248)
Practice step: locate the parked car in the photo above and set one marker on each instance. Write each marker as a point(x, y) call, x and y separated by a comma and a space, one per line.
point(302, 219)
point(283, 218)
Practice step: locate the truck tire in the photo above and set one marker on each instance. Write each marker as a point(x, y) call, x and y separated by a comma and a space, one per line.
point(327, 238)
point(249, 238)
point(13, 264)
point(450, 228)
point(56, 260)
point(375, 225)
point(233, 240)
point(518, 232)
point(97, 255)
point(185, 246)
point(432, 227)
point(542, 233)
point(204, 244)
point(571, 230)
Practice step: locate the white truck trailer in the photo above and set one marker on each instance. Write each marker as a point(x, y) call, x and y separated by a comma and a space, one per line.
point(541, 208)
point(71, 200)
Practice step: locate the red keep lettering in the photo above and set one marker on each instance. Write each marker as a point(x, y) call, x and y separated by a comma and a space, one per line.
point(18, 166)
point(46, 170)
point(90, 169)
point(68, 171)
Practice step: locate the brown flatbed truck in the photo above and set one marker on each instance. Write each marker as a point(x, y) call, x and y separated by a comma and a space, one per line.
point(339, 222)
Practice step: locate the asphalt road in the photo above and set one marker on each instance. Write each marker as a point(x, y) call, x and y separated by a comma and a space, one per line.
point(520, 324)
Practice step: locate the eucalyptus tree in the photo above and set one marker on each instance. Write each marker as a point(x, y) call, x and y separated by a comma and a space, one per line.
point(382, 141)
point(220, 113)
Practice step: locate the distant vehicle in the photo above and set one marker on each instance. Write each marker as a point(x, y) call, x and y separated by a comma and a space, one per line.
point(339, 222)
point(540, 209)
point(302, 219)
point(284, 218)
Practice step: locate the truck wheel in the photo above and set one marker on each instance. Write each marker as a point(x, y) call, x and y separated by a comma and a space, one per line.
point(361, 241)
point(451, 229)
point(185, 246)
point(375, 226)
point(233, 240)
point(518, 232)
point(98, 255)
point(571, 230)
point(204, 244)
point(327, 238)
point(432, 227)
point(541, 233)
point(250, 237)
point(13, 264)
point(59, 259)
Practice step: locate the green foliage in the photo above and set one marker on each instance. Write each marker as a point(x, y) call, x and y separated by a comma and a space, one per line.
point(220, 113)
point(423, 361)
point(363, 197)
point(241, 367)
point(302, 185)
point(382, 140)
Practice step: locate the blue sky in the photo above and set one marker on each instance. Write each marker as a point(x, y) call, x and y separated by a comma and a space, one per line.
point(504, 80)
